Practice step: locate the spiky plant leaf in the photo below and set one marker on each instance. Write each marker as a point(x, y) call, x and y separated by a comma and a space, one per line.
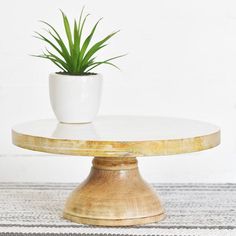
point(97, 46)
point(68, 32)
point(59, 40)
point(96, 64)
point(77, 58)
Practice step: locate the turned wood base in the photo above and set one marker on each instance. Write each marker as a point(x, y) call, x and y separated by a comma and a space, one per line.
point(114, 194)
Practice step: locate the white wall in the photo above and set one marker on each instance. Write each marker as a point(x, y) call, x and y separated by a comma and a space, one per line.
point(181, 62)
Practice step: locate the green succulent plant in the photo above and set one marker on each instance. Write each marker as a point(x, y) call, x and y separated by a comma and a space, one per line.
point(76, 57)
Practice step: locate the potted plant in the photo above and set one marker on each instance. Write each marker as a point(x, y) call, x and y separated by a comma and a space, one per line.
point(75, 91)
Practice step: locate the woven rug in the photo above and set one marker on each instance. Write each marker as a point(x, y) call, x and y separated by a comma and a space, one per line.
point(192, 210)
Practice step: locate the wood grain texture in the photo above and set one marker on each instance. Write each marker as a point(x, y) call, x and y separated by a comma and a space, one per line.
point(114, 194)
point(116, 148)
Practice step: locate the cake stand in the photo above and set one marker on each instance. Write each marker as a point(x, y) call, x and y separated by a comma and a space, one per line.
point(114, 193)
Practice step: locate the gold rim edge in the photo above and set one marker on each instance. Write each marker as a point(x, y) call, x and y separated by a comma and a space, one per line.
point(116, 148)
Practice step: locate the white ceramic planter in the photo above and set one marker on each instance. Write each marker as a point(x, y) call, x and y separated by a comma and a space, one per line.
point(75, 99)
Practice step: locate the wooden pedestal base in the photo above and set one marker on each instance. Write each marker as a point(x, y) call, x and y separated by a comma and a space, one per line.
point(114, 194)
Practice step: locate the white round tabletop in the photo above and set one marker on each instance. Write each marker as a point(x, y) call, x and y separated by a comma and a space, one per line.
point(118, 136)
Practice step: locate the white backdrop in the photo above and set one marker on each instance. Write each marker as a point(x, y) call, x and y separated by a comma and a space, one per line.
point(181, 62)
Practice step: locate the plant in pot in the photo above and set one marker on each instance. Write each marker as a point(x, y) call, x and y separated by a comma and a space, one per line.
point(75, 91)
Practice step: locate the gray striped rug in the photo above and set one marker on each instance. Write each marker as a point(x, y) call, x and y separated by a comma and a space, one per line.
point(192, 210)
